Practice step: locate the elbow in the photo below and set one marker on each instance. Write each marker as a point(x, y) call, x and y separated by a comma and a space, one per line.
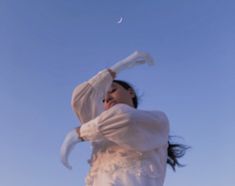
point(74, 102)
point(78, 95)
point(115, 128)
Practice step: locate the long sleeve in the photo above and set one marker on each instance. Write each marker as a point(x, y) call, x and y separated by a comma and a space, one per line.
point(130, 128)
point(87, 97)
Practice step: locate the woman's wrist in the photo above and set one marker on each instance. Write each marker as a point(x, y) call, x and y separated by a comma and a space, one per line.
point(79, 134)
point(112, 73)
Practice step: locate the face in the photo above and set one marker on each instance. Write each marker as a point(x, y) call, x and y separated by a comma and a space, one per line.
point(118, 94)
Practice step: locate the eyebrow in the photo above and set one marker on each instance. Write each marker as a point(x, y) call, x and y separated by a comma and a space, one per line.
point(113, 86)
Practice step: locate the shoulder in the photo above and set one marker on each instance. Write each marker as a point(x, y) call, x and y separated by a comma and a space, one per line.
point(126, 108)
point(120, 107)
point(160, 114)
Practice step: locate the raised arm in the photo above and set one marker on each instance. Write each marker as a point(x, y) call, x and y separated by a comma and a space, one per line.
point(128, 127)
point(87, 97)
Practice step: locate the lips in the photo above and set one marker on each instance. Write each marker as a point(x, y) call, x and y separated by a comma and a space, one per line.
point(111, 103)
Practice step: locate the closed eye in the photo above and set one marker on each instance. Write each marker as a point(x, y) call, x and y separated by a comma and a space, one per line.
point(110, 92)
point(113, 90)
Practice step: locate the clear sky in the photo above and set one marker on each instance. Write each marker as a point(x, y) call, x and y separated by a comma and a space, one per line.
point(47, 47)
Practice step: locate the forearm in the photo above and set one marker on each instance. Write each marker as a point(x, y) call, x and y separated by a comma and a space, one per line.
point(89, 131)
point(128, 127)
point(87, 98)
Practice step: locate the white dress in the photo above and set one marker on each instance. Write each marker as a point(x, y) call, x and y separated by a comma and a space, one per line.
point(129, 145)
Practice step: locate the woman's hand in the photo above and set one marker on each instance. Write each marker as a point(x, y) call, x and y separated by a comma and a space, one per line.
point(136, 58)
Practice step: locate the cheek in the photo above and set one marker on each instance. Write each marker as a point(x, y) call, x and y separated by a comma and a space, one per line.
point(122, 97)
point(105, 106)
point(118, 95)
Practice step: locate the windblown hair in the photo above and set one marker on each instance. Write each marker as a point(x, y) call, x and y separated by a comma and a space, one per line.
point(175, 150)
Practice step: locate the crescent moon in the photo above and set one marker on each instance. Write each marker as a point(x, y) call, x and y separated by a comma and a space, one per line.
point(120, 20)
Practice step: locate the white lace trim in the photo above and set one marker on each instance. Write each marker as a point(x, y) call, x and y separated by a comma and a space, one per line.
point(113, 159)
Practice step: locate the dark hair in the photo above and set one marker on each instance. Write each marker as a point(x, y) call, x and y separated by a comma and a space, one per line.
point(175, 150)
point(128, 86)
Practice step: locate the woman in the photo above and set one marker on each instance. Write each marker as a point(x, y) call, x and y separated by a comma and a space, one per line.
point(130, 146)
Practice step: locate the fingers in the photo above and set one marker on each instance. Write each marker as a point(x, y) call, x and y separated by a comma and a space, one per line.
point(149, 60)
point(143, 58)
point(136, 58)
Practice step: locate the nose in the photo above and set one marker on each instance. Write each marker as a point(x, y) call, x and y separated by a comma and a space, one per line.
point(107, 98)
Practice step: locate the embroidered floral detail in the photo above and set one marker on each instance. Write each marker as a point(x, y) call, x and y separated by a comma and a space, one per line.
point(113, 158)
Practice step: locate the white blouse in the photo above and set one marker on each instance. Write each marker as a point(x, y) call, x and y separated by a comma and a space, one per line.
point(129, 145)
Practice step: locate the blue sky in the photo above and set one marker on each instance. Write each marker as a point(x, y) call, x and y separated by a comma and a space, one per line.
point(47, 47)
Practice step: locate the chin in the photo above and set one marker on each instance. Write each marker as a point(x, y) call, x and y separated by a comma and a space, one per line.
point(110, 106)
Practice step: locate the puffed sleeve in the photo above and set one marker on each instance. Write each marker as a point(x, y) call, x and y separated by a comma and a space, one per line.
point(87, 97)
point(128, 127)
